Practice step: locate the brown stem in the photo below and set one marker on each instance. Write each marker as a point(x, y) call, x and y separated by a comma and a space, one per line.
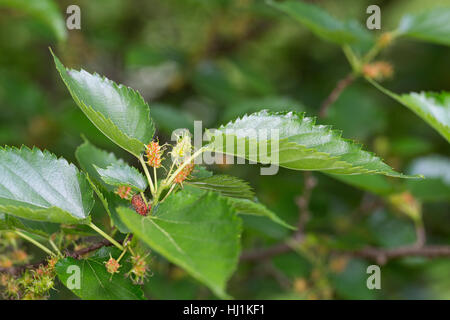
point(420, 236)
point(302, 201)
point(77, 254)
point(382, 256)
point(379, 255)
point(340, 86)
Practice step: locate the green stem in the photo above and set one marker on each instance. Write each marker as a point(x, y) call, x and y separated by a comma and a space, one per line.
point(189, 160)
point(144, 198)
point(106, 236)
point(122, 254)
point(354, 61)
point(156, 179)
point(168, 175)
point(171, 189)
point(147, 174)
point(36, 243)
point(55, 247)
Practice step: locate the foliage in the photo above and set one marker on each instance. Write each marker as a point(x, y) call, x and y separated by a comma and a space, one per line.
point(167, 226)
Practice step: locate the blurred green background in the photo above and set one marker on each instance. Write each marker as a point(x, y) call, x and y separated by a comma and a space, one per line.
point(215, 60)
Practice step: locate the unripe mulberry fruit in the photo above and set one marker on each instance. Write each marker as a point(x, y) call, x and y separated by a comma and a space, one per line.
point(154, 154)
point(139, 205)
point(184, 173)
point(112, 265)
point(378, 70)
point(124, 192)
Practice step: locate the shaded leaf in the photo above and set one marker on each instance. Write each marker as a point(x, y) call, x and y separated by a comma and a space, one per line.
point(225, 185)
point(110, 202)
point(432, 107)
point(89, 155)
point(430, 26)
point(376, 184)
point(119, 112)
point(245, 206)
point(36, 185)
point(44, 10)
point(96, 283)
point(43, 229)
point(436, 185)
point(323, 24)
point(123, 174)
point(197, 231)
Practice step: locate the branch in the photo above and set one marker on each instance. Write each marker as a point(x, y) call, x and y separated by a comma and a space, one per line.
point(340, 86)
point(77, 254)
point(382, 256)
point(309, 183)
point(303, 201)
point(379, 255)
point(265, 253)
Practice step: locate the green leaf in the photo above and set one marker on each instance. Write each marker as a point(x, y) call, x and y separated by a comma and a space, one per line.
point(323, 24)
point(122, 174)
point(300, 145)
point(240, 194)
point(110, 202)
point(376, 184)
point(96, 283)
point(4, 223)
point(225, 185)
point(43, 229)
point(119, 112)
point(432, 107)
point(44, 10)
point(245, 206)
point(198, 231)
point(436, 186)
point(114, 202)
point(89, 155)
point(36, 185)
point(430, 26)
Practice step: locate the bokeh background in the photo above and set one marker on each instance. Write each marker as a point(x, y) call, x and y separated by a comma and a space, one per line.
point(214, 60)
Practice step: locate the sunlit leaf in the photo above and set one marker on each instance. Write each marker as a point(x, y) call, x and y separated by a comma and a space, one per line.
point(117, 111)
point(294, 141)
point(36, 185)
point(95, 282)
point(198, 231)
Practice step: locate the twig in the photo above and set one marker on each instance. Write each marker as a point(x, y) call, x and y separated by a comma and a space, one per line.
point(303, 201)
point(77, 254)
point(105, 235)
point(379, 255)
point(421, 237)
point(266, 253)
point(382, 256)
point(303, 215)
point(340, 86)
